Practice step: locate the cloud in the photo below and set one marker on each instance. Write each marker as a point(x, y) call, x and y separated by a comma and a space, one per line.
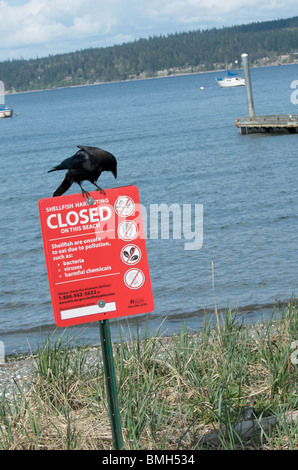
point(39, 21)
point(40, 27)
point(43, 25)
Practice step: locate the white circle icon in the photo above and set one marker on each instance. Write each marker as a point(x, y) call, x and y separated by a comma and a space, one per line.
point(131, 254)
point(128, 230)
point(124, 206)
point(134, 278)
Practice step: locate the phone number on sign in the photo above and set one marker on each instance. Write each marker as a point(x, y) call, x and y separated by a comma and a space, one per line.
point(76, 295)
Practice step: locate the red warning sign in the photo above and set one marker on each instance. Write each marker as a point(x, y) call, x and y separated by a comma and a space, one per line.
point(96, 256)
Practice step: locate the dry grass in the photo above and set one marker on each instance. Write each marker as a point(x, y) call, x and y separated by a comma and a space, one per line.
point(172, 391)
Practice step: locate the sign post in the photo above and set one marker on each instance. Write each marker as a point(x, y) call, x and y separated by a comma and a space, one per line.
point(97, 267)
point(111, 386)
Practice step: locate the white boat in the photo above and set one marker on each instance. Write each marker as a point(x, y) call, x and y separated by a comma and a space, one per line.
point(231, 80)
point(5, 111)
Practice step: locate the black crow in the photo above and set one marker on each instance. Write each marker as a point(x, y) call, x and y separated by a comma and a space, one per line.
point(87, 164)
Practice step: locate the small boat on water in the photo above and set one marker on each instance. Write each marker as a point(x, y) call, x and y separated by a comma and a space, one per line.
point(5, 111)
point(231, 80)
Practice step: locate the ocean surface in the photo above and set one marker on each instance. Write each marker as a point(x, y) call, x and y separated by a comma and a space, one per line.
point(178, 144)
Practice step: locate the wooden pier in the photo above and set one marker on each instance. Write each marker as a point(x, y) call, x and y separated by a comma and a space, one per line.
point(276, 123)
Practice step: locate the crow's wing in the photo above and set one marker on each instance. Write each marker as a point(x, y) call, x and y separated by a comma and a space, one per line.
point(89, 159)
point(101, 159)
point(94, 151)
point(97, 153)
point(77, 161)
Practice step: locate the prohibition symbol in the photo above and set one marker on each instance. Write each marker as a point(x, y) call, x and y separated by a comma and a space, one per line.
point(134, 278)
point(128, 230)
point(124, 206)
point(131, 254)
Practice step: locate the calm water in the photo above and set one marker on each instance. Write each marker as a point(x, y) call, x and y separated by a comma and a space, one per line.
point(179, 145)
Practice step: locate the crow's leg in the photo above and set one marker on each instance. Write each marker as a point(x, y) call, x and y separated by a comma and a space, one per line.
point(98, 188)
point(84, 192)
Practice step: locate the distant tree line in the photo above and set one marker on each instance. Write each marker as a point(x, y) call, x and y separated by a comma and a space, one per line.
point(201, 50)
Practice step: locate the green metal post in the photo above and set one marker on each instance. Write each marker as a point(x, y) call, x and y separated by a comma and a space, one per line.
point(111, 386)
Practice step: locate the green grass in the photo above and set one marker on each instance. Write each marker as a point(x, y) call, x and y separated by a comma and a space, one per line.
point(173, 392)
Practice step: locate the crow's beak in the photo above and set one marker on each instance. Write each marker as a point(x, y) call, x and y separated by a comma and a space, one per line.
point(115, 174)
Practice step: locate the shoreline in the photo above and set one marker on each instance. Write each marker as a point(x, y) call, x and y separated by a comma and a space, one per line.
point(24, 356)
point(218, 314)
point(18, 371)
point(248, 315)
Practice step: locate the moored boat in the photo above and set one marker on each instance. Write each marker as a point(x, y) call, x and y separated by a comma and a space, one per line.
point(5, 111)
point(231, 80)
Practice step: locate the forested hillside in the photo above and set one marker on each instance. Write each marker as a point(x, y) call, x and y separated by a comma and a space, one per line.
point(201, 50)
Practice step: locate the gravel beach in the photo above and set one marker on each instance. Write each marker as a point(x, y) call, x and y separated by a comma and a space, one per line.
point(19, 372)
point(16, 373)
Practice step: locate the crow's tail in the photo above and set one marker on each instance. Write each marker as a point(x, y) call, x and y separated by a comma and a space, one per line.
point(58, 167)
point(64, 186)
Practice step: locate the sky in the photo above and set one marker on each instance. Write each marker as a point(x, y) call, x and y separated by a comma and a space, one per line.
point(37, 28)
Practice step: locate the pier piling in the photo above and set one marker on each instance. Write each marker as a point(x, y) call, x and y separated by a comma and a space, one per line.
point(250, 102)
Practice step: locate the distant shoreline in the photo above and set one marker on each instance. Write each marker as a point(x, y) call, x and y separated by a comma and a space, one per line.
point(160, 74)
